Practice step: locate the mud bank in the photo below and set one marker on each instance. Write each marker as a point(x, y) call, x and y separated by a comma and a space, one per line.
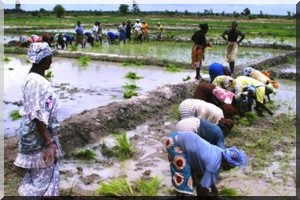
point(276, 60)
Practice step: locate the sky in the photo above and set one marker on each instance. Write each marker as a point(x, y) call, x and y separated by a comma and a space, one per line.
point(268, 7)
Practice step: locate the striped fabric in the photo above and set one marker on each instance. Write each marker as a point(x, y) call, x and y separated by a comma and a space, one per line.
point(187, 109)
point(190, 124)
point(201, 109)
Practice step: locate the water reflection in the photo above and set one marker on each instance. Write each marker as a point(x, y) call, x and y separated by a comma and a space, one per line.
point(81, 88)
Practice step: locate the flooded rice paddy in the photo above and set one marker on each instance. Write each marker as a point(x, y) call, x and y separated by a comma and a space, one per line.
point(82, 88)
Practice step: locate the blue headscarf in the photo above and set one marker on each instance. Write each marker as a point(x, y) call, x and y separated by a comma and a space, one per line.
point(235, 157)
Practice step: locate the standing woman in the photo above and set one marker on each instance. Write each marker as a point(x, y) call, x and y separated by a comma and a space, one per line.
point(198, 49)
point(232, 43)
point(79, 34)
point(39, 146)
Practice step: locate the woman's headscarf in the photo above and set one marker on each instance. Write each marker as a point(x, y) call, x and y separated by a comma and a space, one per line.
point(235, 157)
point(37, 51)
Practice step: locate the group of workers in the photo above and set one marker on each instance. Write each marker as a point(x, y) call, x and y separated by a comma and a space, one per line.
point(196, 147)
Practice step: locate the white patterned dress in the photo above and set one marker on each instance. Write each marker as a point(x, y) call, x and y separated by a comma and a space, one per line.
point(39, 102)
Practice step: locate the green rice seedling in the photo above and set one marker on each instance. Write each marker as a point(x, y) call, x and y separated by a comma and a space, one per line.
point(6, 58)
point(131, 86)
point(115, 187)
point(228, 192)
point(85, 154)
point(132, 75)
point(124, 149)
point(251, 116)
point(84, 60)
point(48, 74)
point(126, 63)
point(73, 47)
point(15, 115)
point(187, 78)
point(148, 187)
point(129, 93)
point(172, 68)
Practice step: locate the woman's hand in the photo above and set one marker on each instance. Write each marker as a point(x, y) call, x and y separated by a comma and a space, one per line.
point(50, 153)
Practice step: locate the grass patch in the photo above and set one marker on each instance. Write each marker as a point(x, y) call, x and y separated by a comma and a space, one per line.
point(85, 154)
point(249, 118)
point(132, 63)
point(15, 115)
point(123, 149)
point(172, 68)
point(263, 138)
point(121, 187)
point(84, 61)
point(228, 192)
point(72, 47)
point(133, 76)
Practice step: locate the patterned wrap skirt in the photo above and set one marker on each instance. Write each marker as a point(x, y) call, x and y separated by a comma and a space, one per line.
point(232, 49)
point(180, 169)
point(197, 55)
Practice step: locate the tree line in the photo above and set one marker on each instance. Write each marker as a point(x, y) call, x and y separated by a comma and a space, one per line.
point(124, 9)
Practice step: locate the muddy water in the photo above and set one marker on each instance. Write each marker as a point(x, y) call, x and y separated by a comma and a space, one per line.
point(81, 88)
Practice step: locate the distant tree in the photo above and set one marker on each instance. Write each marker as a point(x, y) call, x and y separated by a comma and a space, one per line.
point(42, 10)
point(18, 5)
point(59, 10)
point(289, 13)
point(135, 7)
point(246, 11)
point(235, 14)
point(124, 9)
point(223, 13)
point(186, 12)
